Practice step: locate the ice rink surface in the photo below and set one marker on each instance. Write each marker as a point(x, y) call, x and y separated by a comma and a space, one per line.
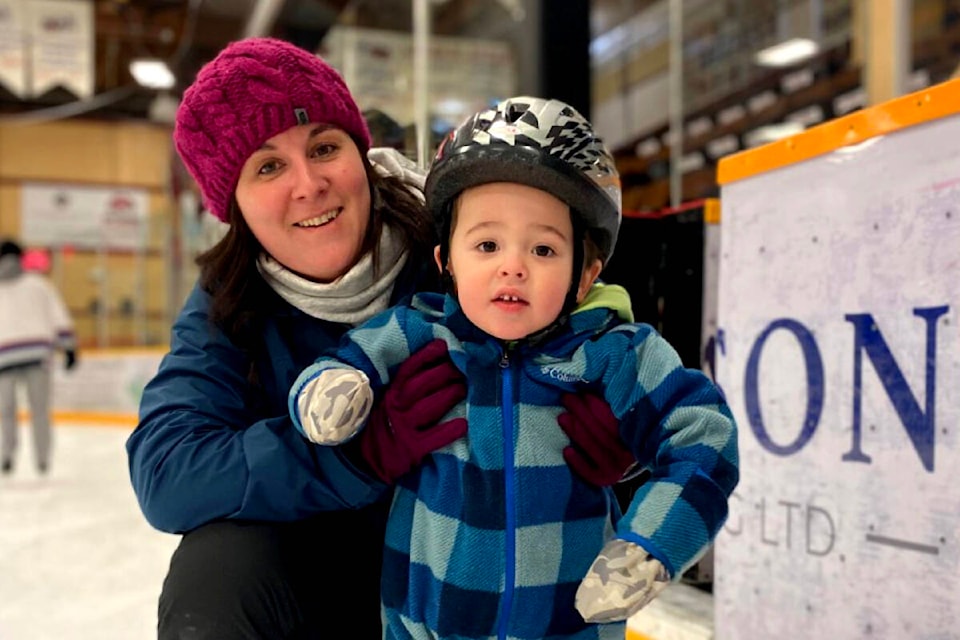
point(77, 559)
point(79, 562)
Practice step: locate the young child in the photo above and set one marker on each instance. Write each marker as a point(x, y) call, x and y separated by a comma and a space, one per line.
point(493, 536)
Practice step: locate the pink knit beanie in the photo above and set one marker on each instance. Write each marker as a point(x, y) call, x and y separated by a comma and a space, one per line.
point(253, 90)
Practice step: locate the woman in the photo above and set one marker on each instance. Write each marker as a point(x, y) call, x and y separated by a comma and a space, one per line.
point(320, 239)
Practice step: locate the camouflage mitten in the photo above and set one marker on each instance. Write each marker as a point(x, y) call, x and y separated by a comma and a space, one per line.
point(622, 580)
point(334, 406)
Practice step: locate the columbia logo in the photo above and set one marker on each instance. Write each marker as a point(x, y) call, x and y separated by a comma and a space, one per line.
point(559, 374)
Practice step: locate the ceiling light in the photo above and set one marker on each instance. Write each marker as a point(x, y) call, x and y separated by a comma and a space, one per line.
point(152, 73)
point(787, 53)
point(770, 133)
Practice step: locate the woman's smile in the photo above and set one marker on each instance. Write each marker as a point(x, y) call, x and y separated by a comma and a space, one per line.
point(320, 220)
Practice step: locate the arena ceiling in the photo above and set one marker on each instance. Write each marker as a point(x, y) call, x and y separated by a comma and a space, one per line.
point(188, 33)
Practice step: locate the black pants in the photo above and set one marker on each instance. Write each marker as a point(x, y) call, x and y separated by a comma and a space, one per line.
point(319, 578)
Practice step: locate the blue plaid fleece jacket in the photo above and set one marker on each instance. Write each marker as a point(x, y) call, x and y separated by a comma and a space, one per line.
point(493, 534)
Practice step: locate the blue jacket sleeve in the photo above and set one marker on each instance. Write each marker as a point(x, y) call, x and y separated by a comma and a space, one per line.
point(200, 453)
point(679, 426)
point(377, 347)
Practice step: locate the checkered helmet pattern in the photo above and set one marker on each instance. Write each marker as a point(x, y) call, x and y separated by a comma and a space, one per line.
point(542, 143)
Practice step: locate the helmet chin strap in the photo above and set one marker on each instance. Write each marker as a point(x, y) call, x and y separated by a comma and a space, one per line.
point(447, 284)
point(579, 235)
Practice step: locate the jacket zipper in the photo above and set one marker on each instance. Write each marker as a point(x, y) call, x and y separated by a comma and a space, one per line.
point(506, 410)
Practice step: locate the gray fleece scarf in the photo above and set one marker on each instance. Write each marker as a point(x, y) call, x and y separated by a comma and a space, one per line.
point(354, 297)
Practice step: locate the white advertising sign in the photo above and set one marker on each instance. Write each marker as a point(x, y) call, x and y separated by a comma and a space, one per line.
point(465, 73)
point(13, 44)
point(105, 382)
point(62, 46)
point(839, 351)
point(56, 215)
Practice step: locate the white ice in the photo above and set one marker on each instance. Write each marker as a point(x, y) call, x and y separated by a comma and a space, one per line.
point(77, 559)
point(79, 562)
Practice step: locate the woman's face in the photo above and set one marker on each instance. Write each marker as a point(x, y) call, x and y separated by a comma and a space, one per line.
point(304, 194)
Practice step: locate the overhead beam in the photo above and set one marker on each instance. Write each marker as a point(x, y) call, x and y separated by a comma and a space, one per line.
point(262, 18)
point(881, 33)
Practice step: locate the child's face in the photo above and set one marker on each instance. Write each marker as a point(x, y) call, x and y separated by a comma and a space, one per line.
point(511, 257)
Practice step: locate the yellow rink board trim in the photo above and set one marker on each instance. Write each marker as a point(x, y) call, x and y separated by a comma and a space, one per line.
point(91, 418)
point(112, 352)
point(711, 211)
point(906, 111)
point(680, 612)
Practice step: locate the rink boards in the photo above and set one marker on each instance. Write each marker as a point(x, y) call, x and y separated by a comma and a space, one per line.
point(838, 308)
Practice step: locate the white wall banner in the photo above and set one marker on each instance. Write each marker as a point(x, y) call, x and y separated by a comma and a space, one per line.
point(838, 312)
point(55, 215)
point(62, 46)
point(104, 382)
point(377, 65)
point(13, 47)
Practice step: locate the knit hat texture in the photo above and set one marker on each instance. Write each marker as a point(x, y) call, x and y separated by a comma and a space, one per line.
point(253, 90)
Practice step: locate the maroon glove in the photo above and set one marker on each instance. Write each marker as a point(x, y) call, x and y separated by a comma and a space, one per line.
point(595, 453)
point(402, 429)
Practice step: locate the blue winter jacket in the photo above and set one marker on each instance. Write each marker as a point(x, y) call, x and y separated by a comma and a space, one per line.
point(211, 445)
point(493, 534)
